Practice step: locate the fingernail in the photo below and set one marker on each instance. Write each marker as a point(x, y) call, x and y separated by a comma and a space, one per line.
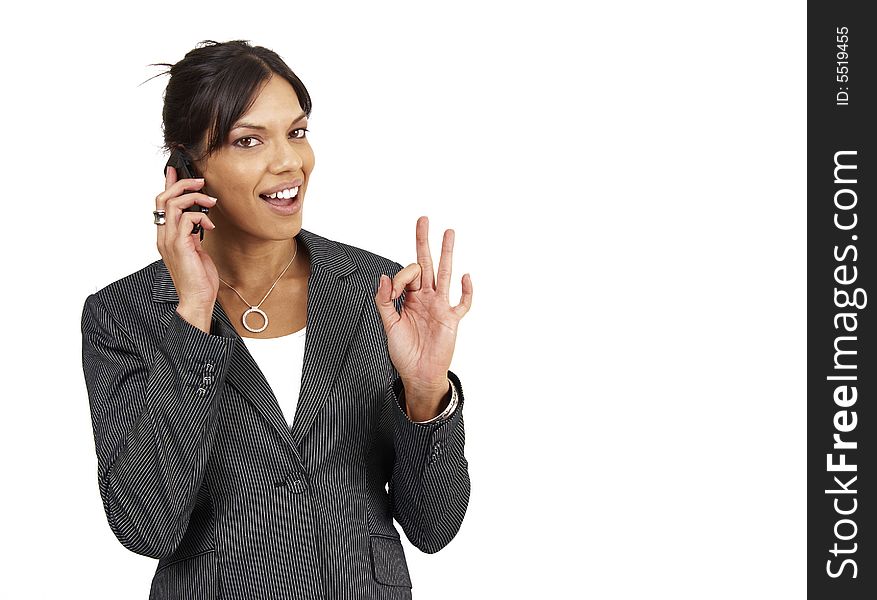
point(212, 198)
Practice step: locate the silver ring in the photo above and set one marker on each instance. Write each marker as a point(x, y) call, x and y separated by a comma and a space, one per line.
point(158, 217)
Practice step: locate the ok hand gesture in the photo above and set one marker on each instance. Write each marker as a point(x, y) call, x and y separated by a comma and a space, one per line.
point(421, 339)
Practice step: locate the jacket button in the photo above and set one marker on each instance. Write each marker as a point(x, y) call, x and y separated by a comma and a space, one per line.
point(208, 367)
point(436, 452)
point(201, 391)
point(298, 486)
point(208, 380)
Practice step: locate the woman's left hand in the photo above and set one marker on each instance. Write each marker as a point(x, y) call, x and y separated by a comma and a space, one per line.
point(421, 339)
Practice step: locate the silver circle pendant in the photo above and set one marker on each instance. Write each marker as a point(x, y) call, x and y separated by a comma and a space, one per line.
point(257, 310)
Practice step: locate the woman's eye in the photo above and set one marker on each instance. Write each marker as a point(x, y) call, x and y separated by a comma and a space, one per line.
point(299, 133)
point(246, 143)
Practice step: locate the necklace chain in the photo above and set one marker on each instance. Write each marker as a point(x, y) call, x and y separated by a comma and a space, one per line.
point(255, 308)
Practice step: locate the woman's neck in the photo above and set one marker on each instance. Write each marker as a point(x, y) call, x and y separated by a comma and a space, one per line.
point(256, 265)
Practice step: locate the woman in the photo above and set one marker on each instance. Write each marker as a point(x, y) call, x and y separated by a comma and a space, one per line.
point(243, 489)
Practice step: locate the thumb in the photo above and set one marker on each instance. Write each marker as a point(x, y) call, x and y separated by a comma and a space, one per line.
point(170, 176)
point(385, 304)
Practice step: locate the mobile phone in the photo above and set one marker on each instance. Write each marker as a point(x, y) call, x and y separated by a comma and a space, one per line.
point(180, 161)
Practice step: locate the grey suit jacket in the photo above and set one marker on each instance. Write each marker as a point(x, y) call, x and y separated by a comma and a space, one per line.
point(198, 468)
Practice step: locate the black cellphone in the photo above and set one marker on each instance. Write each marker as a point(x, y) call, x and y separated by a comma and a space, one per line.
point(180, 161)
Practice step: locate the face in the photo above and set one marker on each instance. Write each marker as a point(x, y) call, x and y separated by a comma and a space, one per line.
point(265, 150)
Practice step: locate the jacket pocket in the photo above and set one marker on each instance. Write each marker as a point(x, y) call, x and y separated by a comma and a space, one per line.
point(193, 577)
point(388, 561)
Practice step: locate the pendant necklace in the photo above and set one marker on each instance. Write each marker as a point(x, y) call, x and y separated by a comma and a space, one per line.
point(255, 309)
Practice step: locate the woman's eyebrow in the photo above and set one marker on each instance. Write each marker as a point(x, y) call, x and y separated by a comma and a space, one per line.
point(245, 125)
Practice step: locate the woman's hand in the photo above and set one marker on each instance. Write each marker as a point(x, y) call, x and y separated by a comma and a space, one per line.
point(195, 276)
point(421, 339)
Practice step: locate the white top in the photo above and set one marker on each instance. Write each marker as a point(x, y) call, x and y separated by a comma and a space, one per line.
point(281, 359)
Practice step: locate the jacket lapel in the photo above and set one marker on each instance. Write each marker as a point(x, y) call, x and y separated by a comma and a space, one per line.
point(334, 307)
point(335, 304)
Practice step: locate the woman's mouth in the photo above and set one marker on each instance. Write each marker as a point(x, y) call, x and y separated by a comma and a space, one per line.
point(282, 198)
point(285, 202)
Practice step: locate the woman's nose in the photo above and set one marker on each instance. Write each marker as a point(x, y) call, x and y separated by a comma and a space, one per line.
point(286, 158)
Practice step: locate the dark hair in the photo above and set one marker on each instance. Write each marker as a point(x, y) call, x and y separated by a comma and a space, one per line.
point(212, 86)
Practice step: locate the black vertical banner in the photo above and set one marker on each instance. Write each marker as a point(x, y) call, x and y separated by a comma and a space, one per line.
point(841, 271)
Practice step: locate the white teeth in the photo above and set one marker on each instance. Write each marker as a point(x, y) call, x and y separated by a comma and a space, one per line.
point(284, 194)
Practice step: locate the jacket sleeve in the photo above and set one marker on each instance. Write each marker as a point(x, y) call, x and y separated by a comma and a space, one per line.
point(429, 488)
point(154, 415)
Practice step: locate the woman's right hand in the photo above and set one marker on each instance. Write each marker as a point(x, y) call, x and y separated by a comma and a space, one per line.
point(191, 268)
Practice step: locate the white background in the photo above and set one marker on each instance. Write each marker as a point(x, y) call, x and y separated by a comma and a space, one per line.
point(627, 185)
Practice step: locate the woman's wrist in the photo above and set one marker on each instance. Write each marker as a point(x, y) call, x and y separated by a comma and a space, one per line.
point(428, 406)
point(196, 316)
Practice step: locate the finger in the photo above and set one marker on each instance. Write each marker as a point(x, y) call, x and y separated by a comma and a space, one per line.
point(386, 307)
point(185, 224)
point(176, 207)
point(175, 189)
point(466, 299)
point(424, 258)
point(443, 277)
point(408, 278)
point(181, 203)
point(170, 177)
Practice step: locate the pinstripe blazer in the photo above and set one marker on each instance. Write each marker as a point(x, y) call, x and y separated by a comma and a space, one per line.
point(198, 468)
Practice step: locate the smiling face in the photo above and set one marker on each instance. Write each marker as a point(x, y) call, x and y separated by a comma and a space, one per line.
point(265, 151)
